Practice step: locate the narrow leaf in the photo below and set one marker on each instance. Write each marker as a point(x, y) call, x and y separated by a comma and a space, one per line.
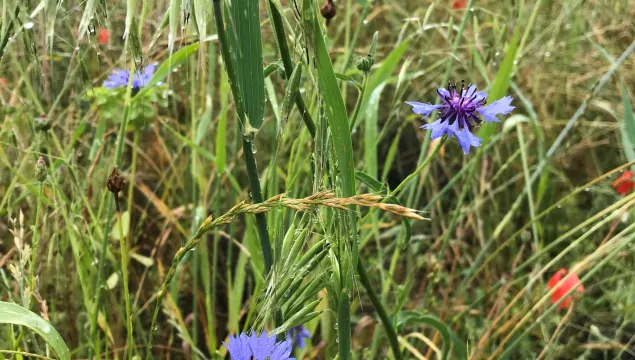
point(17, 315)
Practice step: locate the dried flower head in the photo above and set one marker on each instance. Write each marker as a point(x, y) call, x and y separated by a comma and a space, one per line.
point(460, 111)
point(254, 347)
point(328, 10)
point(115, 182)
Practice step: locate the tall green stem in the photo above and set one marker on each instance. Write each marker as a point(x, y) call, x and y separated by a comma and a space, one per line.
point(124, 276)
point(383, 316)
point(250, 160)
point(36, 238)
point(121, 136)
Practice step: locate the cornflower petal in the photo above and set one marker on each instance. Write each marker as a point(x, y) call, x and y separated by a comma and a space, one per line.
point(439, 128)
point(423, 109)
point(501, 106)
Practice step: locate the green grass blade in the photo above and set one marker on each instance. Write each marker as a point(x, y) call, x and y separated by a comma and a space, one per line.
point(131, 5)
point(17, 315)
point(243, 29)
point(175, 7)
point(628, 130)
point(89, 10)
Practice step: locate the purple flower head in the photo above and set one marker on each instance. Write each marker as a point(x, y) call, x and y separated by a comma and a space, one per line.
point(120, 78)
point(460, 112)
point(298, 334)
point(254, 347)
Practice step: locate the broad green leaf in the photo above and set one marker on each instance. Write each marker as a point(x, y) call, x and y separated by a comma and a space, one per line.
point(381, 76)
point(501, 82)
point(174, 61)
point(628, 130)
point(335, 110)
point(243, 30)
point(17, 315)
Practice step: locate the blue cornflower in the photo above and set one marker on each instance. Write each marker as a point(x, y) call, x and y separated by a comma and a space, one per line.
point(298, 334)
point(120, 77)
point(254, 347)
point(459, 113)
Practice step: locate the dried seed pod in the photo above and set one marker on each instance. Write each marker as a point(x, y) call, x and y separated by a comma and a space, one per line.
point(115, 182)
point(328, 10)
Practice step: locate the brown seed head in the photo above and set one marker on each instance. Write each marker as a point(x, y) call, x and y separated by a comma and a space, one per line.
point(328, 9)
point(115, 182)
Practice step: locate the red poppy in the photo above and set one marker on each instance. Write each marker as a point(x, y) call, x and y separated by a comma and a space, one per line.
point(624, 184)
point(458, 4)
point(3, 81)
point(103, 36)
point(563, 286)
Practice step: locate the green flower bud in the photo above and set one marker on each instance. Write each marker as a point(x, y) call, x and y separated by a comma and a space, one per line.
point(42, 123)
point(365, 63)
point(40, 169)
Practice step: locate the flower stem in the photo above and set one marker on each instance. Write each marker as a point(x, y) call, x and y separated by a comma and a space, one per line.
point(124, 275)
point(383, 316)
point(358, 104)
point(416, 172)
point(121, 136)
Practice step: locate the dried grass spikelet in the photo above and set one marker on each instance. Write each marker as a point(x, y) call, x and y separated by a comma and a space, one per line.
point(323, 198)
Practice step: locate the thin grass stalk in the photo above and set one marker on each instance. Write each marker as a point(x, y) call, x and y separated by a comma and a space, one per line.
point(133, 175)
point(195, 205)
point(450, 230)
point(419, 168)
point(608, 257)
point(281, 39)
point(36, 235)
point(250, 160)
point(388, 325)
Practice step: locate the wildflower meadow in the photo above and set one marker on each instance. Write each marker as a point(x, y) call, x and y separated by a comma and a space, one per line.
point(317, 179)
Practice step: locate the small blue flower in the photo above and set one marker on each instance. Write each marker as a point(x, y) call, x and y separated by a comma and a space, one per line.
point(459, 113)
point(298, 334)
point(120, 77)
point(254, 347)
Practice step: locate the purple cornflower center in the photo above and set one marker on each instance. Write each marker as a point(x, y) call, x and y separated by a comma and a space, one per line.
point(461, 105)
